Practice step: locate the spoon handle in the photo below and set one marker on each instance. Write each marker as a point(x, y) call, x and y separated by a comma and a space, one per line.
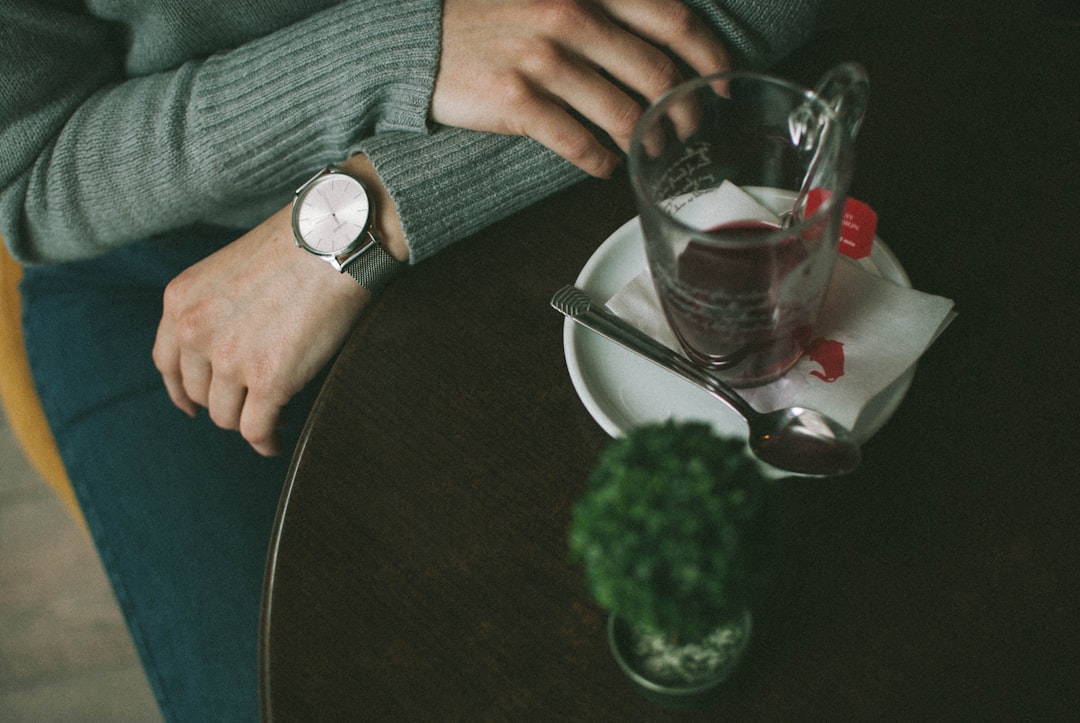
point(578, 306)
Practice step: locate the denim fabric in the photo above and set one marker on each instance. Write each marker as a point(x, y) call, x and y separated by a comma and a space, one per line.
point(181, 511)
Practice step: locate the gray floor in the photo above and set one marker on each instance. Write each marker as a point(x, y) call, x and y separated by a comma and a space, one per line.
point(65, 655)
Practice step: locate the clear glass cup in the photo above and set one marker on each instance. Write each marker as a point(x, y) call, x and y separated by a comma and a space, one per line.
point(742, 289)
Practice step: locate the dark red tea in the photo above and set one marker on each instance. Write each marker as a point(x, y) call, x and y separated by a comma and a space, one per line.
point(737, 309)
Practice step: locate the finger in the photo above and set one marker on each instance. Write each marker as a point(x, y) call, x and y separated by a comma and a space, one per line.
point(672, 24)
point(175, 388)
point(595, 97)
point(225, 403)
point(675, 121)
point(166, 358)
point(259, 425)
point(548, 122)
point(637, 64)
point(634, 62)
point(195, 374)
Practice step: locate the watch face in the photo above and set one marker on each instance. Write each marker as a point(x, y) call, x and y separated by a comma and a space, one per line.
point(332, 213)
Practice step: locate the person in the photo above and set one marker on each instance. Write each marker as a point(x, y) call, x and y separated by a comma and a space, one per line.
point(151, 152)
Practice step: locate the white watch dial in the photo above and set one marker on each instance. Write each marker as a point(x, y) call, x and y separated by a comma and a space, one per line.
point(333, 212)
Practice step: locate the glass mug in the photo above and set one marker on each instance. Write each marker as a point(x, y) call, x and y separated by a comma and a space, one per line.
point(742, 289)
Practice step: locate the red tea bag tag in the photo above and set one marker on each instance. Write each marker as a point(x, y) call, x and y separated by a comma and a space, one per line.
point(857, 231)
point(858, 228)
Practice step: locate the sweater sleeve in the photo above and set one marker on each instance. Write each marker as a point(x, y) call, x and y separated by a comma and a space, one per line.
point(94, 158)
point(759, 33)
point(453, 182)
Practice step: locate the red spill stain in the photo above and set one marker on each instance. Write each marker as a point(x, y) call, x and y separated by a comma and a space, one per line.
point(829, 354)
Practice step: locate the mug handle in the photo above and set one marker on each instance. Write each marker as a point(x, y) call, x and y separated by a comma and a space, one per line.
point(846, 89)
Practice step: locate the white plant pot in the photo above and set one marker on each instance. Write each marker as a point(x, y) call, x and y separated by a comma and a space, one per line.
point(682, 677)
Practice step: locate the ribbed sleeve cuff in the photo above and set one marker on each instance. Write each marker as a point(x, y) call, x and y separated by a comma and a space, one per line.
point(454, 182)
point(300, 96)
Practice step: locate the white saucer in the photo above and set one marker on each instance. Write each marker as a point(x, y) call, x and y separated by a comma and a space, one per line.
point(622, 391)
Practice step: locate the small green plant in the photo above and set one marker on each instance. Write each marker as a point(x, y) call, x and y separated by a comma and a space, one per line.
point(669, 529)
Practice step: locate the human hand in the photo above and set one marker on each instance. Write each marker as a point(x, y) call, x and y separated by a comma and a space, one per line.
point(517, 66)
point(247, 327)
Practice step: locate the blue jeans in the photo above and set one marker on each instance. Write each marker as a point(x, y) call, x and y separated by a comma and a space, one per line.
point(181, 511)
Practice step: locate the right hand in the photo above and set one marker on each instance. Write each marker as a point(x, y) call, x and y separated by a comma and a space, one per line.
point(516, 66)
point(245, 329)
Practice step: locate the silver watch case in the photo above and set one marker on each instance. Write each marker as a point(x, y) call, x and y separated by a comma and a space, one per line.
point(364, 257)
point(340, 257)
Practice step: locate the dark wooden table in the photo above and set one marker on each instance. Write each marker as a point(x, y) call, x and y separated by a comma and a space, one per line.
point(419, 568)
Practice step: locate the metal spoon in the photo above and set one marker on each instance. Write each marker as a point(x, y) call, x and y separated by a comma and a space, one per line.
point(796, 440)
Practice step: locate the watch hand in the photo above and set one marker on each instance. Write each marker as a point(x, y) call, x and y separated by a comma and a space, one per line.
point(315, 219)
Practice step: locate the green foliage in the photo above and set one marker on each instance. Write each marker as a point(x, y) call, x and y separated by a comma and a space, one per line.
point(664, 528)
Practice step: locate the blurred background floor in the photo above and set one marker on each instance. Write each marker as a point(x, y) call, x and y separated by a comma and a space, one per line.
point(65, 654)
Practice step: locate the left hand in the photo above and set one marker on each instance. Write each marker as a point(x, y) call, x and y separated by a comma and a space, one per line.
point(520, 66)
point(247, 327)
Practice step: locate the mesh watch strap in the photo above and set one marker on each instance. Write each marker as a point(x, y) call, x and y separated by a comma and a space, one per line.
point(374, 268)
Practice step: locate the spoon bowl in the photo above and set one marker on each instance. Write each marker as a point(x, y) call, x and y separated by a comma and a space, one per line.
point(803, 441)
point(797, 440)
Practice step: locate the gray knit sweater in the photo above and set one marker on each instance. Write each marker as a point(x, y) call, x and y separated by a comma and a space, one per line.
point(121, 119)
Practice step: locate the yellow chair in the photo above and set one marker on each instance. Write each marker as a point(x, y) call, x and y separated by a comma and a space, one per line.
point(17, 392)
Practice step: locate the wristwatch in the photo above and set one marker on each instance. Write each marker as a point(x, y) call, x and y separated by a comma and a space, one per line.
point(333, 217)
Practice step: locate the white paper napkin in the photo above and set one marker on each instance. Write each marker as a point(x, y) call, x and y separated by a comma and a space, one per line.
point(883, 328)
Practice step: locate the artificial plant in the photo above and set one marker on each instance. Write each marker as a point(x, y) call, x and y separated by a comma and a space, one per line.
point(669, 529)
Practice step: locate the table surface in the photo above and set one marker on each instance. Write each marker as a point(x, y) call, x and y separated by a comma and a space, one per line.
point(419, 568)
